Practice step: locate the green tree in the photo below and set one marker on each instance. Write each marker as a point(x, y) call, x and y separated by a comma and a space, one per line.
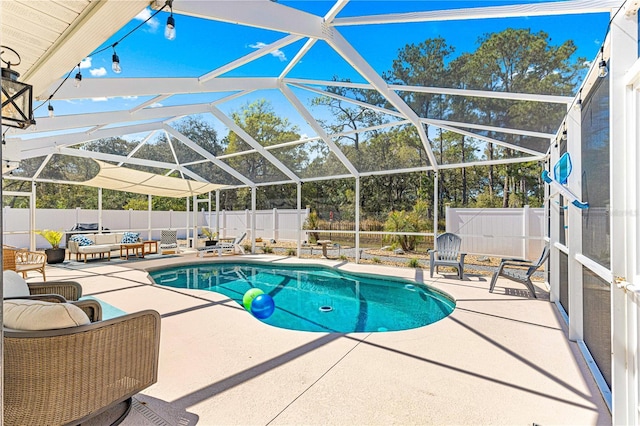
point(260, 121)
point(517, 60)
point(403, 221)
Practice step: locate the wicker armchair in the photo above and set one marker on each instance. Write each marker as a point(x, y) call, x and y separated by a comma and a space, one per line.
point(70, 290)
point(22, 261)
point(72, 374)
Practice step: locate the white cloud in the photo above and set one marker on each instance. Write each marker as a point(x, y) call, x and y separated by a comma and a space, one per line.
point(277, 53)
point(146, 14)
point(587, 64)
point(155, 105)
point(280, 55)
point(130, 97)
point(98, 72)
point(85, 63)
point(100, 99)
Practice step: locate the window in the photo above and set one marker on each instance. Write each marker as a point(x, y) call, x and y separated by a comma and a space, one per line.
point(564, 281)
point(561, 206)
point(595, 173)
point(596, 303)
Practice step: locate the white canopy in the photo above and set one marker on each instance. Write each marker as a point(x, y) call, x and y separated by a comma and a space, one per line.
point(112, 176)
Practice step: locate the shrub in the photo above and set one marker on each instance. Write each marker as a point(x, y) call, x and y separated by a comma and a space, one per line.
point(403, 221)
point(343, 257)
point(312, 222)
point(413, 263)
point(376, 260)
point(267, 249)
point(292, 252)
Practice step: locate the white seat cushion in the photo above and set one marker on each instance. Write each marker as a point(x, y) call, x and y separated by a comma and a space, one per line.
point(22, 314)
point(14, 285)
point(103, 248)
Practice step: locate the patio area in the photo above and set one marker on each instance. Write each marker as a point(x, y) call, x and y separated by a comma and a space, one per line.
point(500, 358)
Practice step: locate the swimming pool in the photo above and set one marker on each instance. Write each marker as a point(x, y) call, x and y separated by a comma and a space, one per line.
point(316, 298)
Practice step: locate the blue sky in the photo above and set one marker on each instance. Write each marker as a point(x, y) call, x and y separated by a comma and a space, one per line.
point(201, 46)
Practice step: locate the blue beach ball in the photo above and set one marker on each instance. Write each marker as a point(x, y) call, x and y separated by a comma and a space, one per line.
point(248, 297)
point(263, 306)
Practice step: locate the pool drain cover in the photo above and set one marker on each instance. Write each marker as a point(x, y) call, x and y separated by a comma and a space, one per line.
point(326, 308)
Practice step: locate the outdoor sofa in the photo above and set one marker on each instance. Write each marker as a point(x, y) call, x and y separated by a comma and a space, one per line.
point(91, 244)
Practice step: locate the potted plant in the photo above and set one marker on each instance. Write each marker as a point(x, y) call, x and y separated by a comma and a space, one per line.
point(55, 254)
point(211, 237)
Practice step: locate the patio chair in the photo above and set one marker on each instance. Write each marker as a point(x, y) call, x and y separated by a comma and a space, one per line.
point(521, 271)
point(169, 242)
point(15, 286)
point(222, 246)
point(23, 261)
point(72, 374)
point(447, 253)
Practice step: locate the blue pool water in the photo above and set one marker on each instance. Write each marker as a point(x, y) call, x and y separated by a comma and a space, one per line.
point(318, 298)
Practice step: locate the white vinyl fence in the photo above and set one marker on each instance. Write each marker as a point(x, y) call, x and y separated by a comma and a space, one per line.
point(276, 224)
point(270, 224)
point(499, 232)
point(492, 232)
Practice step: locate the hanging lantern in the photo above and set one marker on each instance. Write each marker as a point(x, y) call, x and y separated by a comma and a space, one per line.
point(17, 97)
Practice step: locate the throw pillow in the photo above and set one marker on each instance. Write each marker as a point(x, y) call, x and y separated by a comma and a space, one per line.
point(14, 285)
point(81, 240)
point(130, 237)
point(23, 314)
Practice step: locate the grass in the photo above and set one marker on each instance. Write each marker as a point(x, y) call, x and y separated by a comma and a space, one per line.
point(413, 263)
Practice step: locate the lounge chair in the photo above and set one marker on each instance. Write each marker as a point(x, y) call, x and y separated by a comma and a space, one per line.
point(447, 253)
point(522, 273)
point(23, 261)
point(221, 246)
point(169, 242)
point(71, 374)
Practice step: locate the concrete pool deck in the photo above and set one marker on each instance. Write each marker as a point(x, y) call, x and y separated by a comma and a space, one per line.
point(500, 358)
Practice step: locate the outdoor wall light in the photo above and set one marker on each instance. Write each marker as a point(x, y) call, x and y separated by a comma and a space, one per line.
point(603, 70)
point(578, 105)
point(50, 108)
point(17, 97)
